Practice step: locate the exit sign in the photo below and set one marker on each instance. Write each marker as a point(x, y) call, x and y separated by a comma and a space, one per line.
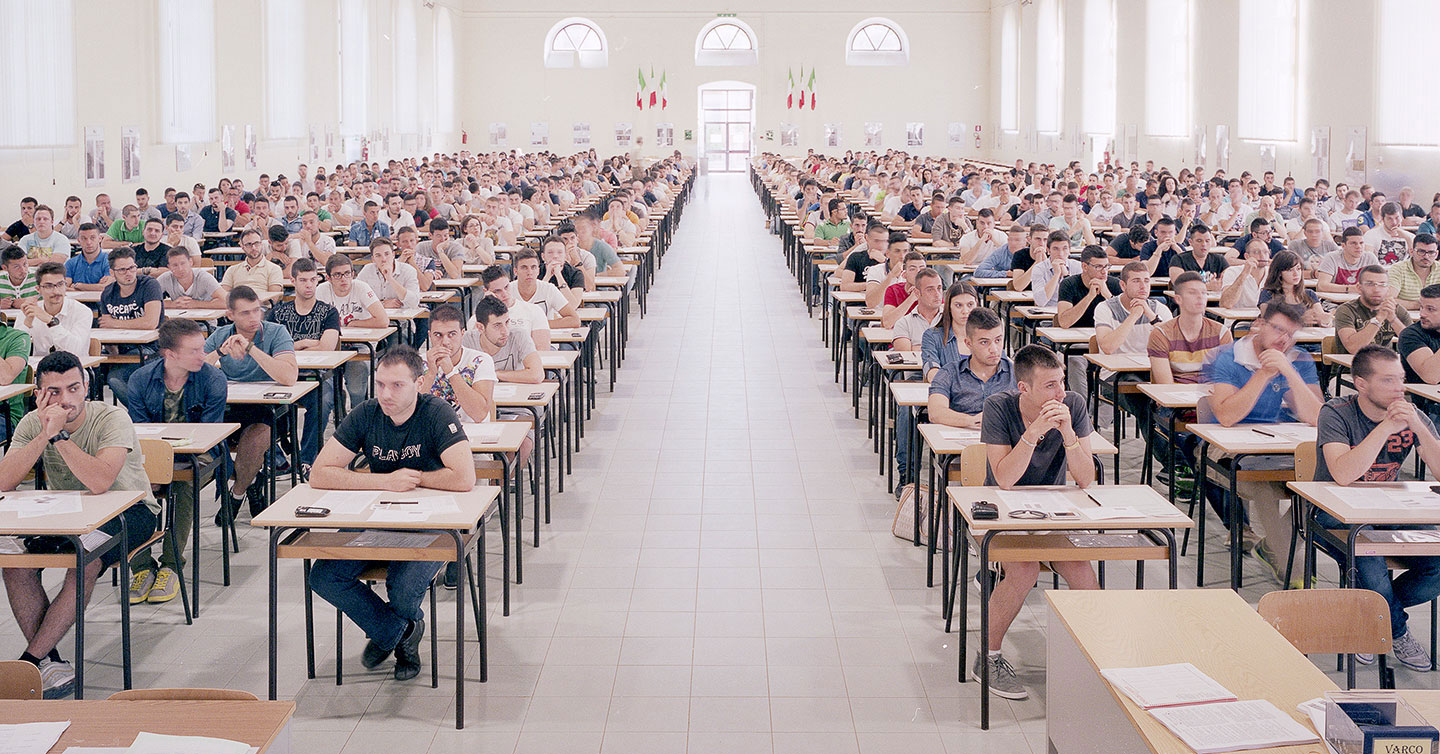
point(724, 15)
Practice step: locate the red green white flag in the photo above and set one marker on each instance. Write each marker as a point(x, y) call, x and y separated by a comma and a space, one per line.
point(653, 94)
point(640, 90)
point(811, 86)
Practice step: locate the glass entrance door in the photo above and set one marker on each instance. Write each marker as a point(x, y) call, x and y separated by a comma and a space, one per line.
point(727, 116)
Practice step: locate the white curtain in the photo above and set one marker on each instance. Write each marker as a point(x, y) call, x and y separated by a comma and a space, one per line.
point(1167, 67)
point(354, 66)
point(1049, 66)
point(187, 71)
point(1405, 111)
point(1009, 53)
point(37, 74)
point(285, 69)
point(444, 71)
point(404, 78)
point(1097, 113)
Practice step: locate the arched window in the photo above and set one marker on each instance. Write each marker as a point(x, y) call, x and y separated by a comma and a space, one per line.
point(576, 41)
point(726, 41)
point(877, 41)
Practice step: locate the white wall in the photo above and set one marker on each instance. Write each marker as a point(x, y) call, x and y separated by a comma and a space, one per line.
point(116, 81)
point(945, 80)
point(1337, 81)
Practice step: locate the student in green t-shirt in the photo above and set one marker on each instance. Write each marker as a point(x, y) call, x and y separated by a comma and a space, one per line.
point(17, 279)
point(126, 231)
point(14, 357)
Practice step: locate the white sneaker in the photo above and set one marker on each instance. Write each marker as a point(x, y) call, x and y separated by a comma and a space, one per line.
point(1410, 653)
point(57, 679)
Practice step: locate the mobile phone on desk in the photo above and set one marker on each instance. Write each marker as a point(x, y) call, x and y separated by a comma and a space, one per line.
point(311, 511)
point(277, 394)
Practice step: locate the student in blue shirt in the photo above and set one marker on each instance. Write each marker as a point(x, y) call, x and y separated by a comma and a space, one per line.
point(1263, 379)
point(90, 269)
point(251, 350)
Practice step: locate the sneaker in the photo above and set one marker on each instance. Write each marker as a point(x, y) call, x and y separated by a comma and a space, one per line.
point(1003, 682)
point(140, 585)
point(1410, 654)
point(166, 588)
point(255, 494)
point(900, 491)
point(1277, 566)
point(452, 576)
point(373, 655)
point(407, 652)
point(1249, 540)
point(57, 679)
point(1365, 658)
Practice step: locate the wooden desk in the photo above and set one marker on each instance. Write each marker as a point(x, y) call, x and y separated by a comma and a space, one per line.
point(1237, 443)
point(500, 440)
point(114, 724)
point(1174, 397)
point(1113, 367)
point(282, 399)
point(96, 511)
point(86, 360)
point(1009, 539)
point(1091, 630)
point(370, 338)
point(534, 399)
point(117, 336)
point(199, 439)
point(456, 533)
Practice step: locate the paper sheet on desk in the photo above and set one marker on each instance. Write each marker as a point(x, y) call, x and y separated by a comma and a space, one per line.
point(1314, 710)
point(141, 430)
point(962, 435)
point(1233, 726)
point(1112, 512)
point(486, 432)
point(1142, 501)
point(30, 738)
point(49, 504)
point(375, 538)
point(154, 743)
point(350, 502)
point(1049, 502)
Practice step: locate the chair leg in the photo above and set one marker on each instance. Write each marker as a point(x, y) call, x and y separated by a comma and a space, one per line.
point(1294, 537)
point(474, 592)
point(339, 643)
point(434, 641)
point(309, 623)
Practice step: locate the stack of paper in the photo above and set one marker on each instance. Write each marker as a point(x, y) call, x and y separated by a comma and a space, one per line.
point(1233, 726)
point(154, 743)
point(1167, 685)
point(961, 435)
point(486, 432)
point(36, 504)
point(30, 738)
point(1047, 502)
point(347, 502)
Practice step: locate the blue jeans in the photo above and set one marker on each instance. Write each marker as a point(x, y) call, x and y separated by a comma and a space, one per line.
point(1419, 584)
point(315, 418)
point(904, 426)
point(406, 581)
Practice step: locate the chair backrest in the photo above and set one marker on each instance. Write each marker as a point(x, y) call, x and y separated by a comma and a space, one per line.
point(96, 348)
point(1305, 461)
point(159, 458)
point(19, 680)
point(1330, 344)
point(973, 461)
point(1094, 346)
point(1203, 413)
point(1322, 621)
point(180, 695)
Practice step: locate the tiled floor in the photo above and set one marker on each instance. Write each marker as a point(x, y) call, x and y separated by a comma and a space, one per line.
point(719, 577)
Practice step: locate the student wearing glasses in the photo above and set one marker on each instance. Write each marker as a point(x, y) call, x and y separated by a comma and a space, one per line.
point(132, 302)
point(1408, 277)
point(55, 321)
point(1375, 317)
point(254, 272)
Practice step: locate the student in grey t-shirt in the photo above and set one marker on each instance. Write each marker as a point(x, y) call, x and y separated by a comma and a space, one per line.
point(1366, 438)
point(1032, 436)
point(199, 292)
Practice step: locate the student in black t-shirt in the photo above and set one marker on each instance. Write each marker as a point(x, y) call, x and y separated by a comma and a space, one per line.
point(133, 302)
point(1080, 294)
point(150, 254)
point(408, 440)
point(1199, 259)
point(314, 326)
point(877, 242)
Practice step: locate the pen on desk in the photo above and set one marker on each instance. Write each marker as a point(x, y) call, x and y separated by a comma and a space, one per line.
point(171, 438)
point(400, 502)
point(1261, 432)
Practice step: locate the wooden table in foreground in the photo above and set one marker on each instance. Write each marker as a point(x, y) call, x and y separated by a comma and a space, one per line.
point(114, 724)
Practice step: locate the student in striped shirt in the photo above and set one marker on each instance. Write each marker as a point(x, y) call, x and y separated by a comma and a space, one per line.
point(16, 282)
point(1178, 349)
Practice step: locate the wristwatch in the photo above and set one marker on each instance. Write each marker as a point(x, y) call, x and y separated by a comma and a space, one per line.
point(1376, 321)
point(61, 435)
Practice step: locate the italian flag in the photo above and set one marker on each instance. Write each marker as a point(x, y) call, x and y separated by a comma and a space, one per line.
point(640, 90)
point(653, 93)
point(811, 86)
point(664, 92)
point(802, 87)
point(790, 92)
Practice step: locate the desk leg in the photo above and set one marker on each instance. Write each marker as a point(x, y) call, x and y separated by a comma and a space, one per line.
point(80, 562)
point(504, 532)
point(930, 516)
point(274, 596)
point(124, 567)
point(1235, 510)
point(1201, 482)
point(195, 534)
point(1115, 396)
point(985, 587)
point(460, 630)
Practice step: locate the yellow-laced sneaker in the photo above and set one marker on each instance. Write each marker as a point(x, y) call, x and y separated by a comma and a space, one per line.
point(140, 586)
point(167, 586)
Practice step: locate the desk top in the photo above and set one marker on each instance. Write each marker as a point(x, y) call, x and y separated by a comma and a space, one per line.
point(909, 360)
point(95, 510)
point(86, 360)
point(569, 334)
point(1369, 503)
point(1233, 312)
point(1255, 438)
point(514, 394)
point(1039, 313)
point(322, 359)
point(104, 723)
point(407, 313)
point(15, 389)
point(436, 297)
point(456, 282)
point(1122, 629)
point(863, 313)
point(945, 440)
point(254, 392)
point(1120, 362)
point(849, 297)
point(1159, 513)
point(1175, 395)
point(592, 313)
point(365, 334)
point(1066, 335)
point(1339, 359)
point(471, 507)
point(1012, 296)
point(909, 392)
point(611, 281)
point(202, 436)
point(558, 359)
point(496, 436)
point(1428, 392)
point(607, 297)
point(122, 336)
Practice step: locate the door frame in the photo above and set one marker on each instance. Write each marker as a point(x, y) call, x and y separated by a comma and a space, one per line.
point(727, 84)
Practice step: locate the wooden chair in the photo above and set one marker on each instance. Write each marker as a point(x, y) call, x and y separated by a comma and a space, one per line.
point(182, 695)
point(1331, 344)
point(19, 680)
point(1344, 621)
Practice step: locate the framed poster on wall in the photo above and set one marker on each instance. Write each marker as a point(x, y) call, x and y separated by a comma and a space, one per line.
point(252, 149)
point(1320, 151)
point(539, 134)
point(789, 135)
point(874, 133)
point(832, 134)
point(498, 136)
point(664, 134)
point(94, 156)
point(1356, 168)
point(129, 154)
point(623, 133)
point(580, 134)
point(956, 134)
point(914, 134)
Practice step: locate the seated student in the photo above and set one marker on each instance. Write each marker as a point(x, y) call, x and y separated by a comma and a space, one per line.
point(1123, 324)
point(555, 270)
point(462, 377)
point(187, 287)
point(1416, 272)
point(1073, 223)
point(408, 440)
point(90, 269)
point(150, 252)
point(1262, 379)
point(900, 297)
point(1339, 271)
point(528, 286)
point(17, 281)
point(1200, 258)
point(949, 228)
point(175, 236)
point(1313, 244)
point(514, 355)
point(1051, 269)
point(1374, 317)
point(1178, 348)
point(313, 326)
point(132, 302)
point(1084, 290)
point(55, 322)
point(250, 350)
point(977, 245)
point(1366, 437)
point(1261, 230)
point(1129, 244)
point(176, 387)
point(945, 342)
point(1420, 342)
point(86, 446)
point(395, 282)
point(923, 311)
point(368, 228)
point(125, 231)
point(1033, 435)
point(1240, 283)
point(998, 263)
point(1285, 282)
point(925, 221)
point(447, 254)
point(255, 271)
point(958, 390)
point(357, 306)
point(859, 259)
point(282, 248)
point(879, 277)
point(607, 262)
point(1387, 240)
point(46, 243)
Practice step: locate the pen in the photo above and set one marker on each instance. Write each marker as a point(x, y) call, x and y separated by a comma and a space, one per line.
point(1262, 432)
point(400, 502)
point(172, 438)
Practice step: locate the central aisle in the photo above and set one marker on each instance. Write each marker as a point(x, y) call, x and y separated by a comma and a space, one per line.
point(720, 576)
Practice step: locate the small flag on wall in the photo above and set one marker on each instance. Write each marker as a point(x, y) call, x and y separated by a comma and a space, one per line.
point(790, 91)
point(653, 92)
point(811, 86)
point(664, 92)
point(802, 87)
point(640, 90)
